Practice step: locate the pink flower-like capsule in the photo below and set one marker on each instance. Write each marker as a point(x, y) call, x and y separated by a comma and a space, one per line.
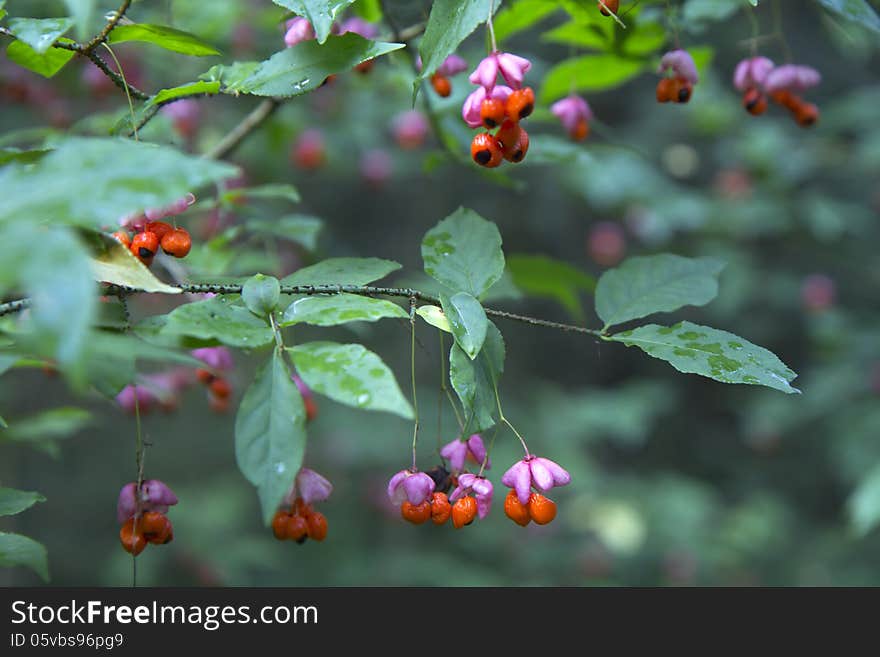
point(681, 64)
point(375, 167)
point(535, 471)
point(298, 30)
point(155, 496)
point(409, 129)
point(414, 487)
point(573, 112)
point(470, 110)
point(177, 207)
point(133, 397)
point(217, 358)
point(310, 486)
point(481, 488)
point(184, 114)
point(452, 65)
point(512, 68)
point(752, 73)
point(359, 26)
point(457, 452)
point(790, 77)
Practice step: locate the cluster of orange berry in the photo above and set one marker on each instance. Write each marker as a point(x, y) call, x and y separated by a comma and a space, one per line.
point(540, 509)
point(145, 244)
point(758, 78)
point(219, 389)
point(142, 514)
point(296, 520)
point(679, 77)
point(503, 107)
point(299, 523)
point(608, 7)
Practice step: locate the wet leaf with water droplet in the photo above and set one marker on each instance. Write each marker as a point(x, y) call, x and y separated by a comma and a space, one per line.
point(350, 374)
point(710, 352)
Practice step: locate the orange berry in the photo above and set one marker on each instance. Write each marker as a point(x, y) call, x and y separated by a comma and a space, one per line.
point(279, 524)
point(807, 114)
point(160, 228)
point(204, 376)
point(177, 243)
point(441, 85)
point(311, 408)
point(515, 510)
point(541, 509)
point(221, 388)
point(508, 133)
point(123, 238)
point(132, 539)
point(683, 91)
point(297, 528)
point(520, 104)
point(317, 525)
point(486, 151)
point(156, 528)
point(516, 151)
point(365, 67)
point(301, 508)
point(464, 511)
point(786, 99)
point(218, 404)
point(492, 111)
point(610, 7)
point(665, 90)
point(581, 130)
point(416, 513)
point(755, 102)
point(144, 246)
point(441, 509)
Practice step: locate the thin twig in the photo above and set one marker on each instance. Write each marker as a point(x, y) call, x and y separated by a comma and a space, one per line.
point(108, 28)
point(247, 125)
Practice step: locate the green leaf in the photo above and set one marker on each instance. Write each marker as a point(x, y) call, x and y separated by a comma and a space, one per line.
point(82, 12)
point(41, 430)
point(164, 37)
point(142, 176)
point(863, 506)
point(595, 36)
point(652, 284)
point(542, 276)
point(434, 316)
point(221, 319)
point(28, 156)
point(474, 381)
point(299, 228)
point(320, 13)
point(306, 65)
point(270, 434)
point(116, 264)
point(342, 271)
point(521, 15)
point(15, 501)
point(185, 90)
point(260, 294)
point(463, 252)
point(18, 550)
point(58, 278)
point(857, 11)
point(281, 191)
point(39, 33)
point(450, 23)
point(47, 64)
point(468, 321)
point(369, 10)
point(350, 374)
point(588, 73)
point(716, 354)
point(230, 76)
point(337, 309)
